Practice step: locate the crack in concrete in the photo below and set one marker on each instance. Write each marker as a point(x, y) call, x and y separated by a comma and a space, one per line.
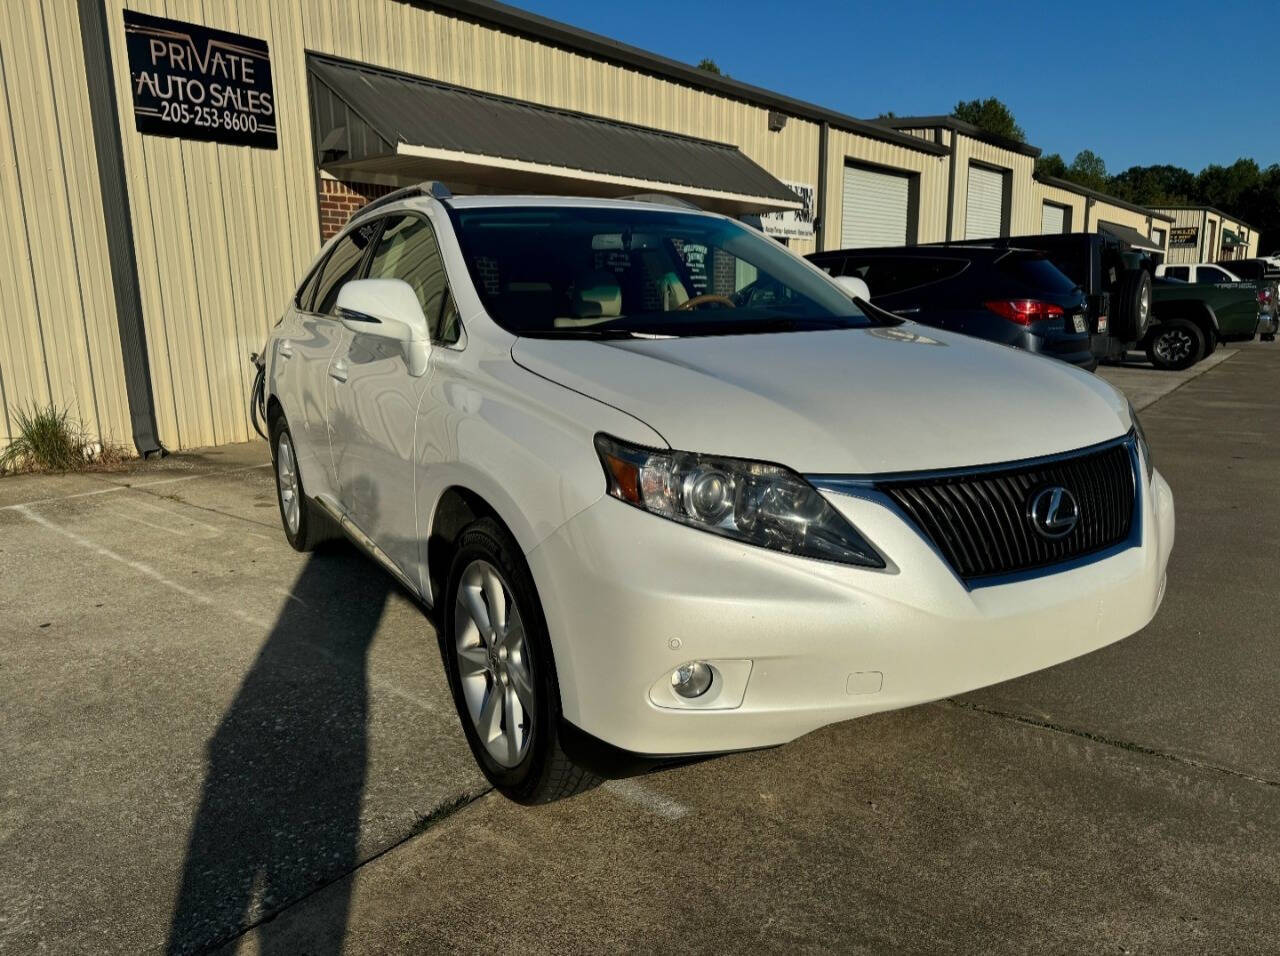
point(1129, 745)
point(419, 827)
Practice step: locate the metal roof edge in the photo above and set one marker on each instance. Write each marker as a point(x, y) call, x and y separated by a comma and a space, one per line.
point(316, 55)
point(1071, 187)
point(962, 127)
point(572, 38)
point(1213, 209)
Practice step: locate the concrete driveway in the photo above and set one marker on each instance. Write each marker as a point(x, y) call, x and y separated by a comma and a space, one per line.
point(210, 740)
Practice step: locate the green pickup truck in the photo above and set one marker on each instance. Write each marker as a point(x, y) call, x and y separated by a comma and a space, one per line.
point(1189, 319)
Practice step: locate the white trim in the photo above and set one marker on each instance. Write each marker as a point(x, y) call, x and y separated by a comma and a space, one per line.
point(586, 175)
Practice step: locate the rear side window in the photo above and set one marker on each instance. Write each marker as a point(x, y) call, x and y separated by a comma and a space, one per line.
point(307, 291)
point(1211, 274)
point(886, 276)
point(342, 266)
point(1037, 273)
point(1177, 272)
point(408, 250)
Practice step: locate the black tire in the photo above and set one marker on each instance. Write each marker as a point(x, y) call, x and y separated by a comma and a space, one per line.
point(311, 529)
point(544, 772)
point(1131, 305)
point(1175, 345)
point(1210, 345)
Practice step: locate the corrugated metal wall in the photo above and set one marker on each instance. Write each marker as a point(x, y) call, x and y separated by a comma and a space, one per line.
point(59, 341)
point(1105, 212)
point(1024, 210)
point(223, 232)
point(1041, 193)
point(844, 147)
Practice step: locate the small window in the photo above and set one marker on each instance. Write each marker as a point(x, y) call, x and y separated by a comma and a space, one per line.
point(343, 265)
point(1211, 274)
point(1177, 272)
point(408, 250)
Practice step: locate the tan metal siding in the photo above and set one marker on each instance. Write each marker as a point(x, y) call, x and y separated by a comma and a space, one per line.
point(844, 147)
point(223, 233)
point(1024, 209)
point(60, 341)
point(1042, 193)
point(1106, 212)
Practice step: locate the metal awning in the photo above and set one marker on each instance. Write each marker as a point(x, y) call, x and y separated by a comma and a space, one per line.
point(392, 127)
point(1231, 239)
point(1134, 238)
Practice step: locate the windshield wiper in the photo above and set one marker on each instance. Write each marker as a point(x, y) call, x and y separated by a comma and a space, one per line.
point(586, 332)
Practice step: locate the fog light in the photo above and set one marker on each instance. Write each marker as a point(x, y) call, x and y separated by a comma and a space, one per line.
point(691, 680)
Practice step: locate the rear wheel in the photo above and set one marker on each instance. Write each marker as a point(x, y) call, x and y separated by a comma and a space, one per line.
point(501, 671)
point(303, 527)
point(1175, 344)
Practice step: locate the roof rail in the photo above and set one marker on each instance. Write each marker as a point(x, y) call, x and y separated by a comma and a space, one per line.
point(431, 187)
point(662, 199)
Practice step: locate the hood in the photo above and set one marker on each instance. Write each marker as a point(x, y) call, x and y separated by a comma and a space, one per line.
point(852, 401)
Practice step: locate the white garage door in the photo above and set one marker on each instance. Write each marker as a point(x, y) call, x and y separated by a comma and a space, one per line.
point(875, 208)
point(1053, 219)
point(984, 206)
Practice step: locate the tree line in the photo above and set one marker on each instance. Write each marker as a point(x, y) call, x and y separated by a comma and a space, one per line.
point(1244, 190)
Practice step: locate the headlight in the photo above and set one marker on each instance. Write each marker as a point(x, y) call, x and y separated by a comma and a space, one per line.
point(1143, 448)
point(761, 504)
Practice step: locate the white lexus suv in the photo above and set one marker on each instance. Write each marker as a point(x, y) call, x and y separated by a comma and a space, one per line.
point(671, 491)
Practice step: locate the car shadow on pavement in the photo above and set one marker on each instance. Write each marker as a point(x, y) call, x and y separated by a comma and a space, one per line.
point(279, 813)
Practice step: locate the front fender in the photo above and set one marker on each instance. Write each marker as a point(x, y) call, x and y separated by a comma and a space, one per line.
point(523, 444)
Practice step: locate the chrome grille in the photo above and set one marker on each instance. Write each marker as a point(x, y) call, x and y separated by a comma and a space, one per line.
point(979, 519)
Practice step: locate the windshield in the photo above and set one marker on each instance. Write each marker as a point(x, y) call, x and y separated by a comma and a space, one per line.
point(601, 272)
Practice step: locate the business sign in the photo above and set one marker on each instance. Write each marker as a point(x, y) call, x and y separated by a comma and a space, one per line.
point(792, 223)
point(1184, 236)
point(196, 83)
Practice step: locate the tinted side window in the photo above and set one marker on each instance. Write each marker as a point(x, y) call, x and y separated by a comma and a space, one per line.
point(887, 276)
point(1177, 272)
point(408, 250)
point(1037, 273)
point(342, 266)
point(1211, 274)
point(308, 288)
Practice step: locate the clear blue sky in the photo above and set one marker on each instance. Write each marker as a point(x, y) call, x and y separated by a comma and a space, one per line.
point(1139, 83)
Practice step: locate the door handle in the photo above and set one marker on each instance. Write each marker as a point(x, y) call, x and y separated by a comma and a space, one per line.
point(338, 371)
point(285, 349)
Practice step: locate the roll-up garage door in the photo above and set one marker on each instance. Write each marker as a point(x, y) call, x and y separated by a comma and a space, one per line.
point(984, 206)
point(1053, 219)
point(876, 208)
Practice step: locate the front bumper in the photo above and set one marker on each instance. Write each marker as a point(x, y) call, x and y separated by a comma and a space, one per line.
point(798, 643)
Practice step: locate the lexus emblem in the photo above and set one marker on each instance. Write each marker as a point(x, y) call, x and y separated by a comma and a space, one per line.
point(1054, 512)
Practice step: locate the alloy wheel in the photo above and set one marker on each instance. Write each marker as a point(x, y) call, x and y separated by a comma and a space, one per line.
point(493, 663)
point(287, 480)
point(1174, 345)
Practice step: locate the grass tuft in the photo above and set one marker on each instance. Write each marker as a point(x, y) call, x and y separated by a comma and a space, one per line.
point(49, 439)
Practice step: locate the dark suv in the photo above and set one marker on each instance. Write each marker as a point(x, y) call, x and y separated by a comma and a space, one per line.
point(1013, 296)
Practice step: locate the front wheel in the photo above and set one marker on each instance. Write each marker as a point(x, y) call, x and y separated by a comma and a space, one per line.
point(1175, 344)
point(501, 671)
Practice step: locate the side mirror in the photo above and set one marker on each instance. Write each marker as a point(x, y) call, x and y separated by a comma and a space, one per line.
point(388, 309)
point(853, 287)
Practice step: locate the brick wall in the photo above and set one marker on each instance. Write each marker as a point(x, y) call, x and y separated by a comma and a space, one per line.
point(339, 199)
